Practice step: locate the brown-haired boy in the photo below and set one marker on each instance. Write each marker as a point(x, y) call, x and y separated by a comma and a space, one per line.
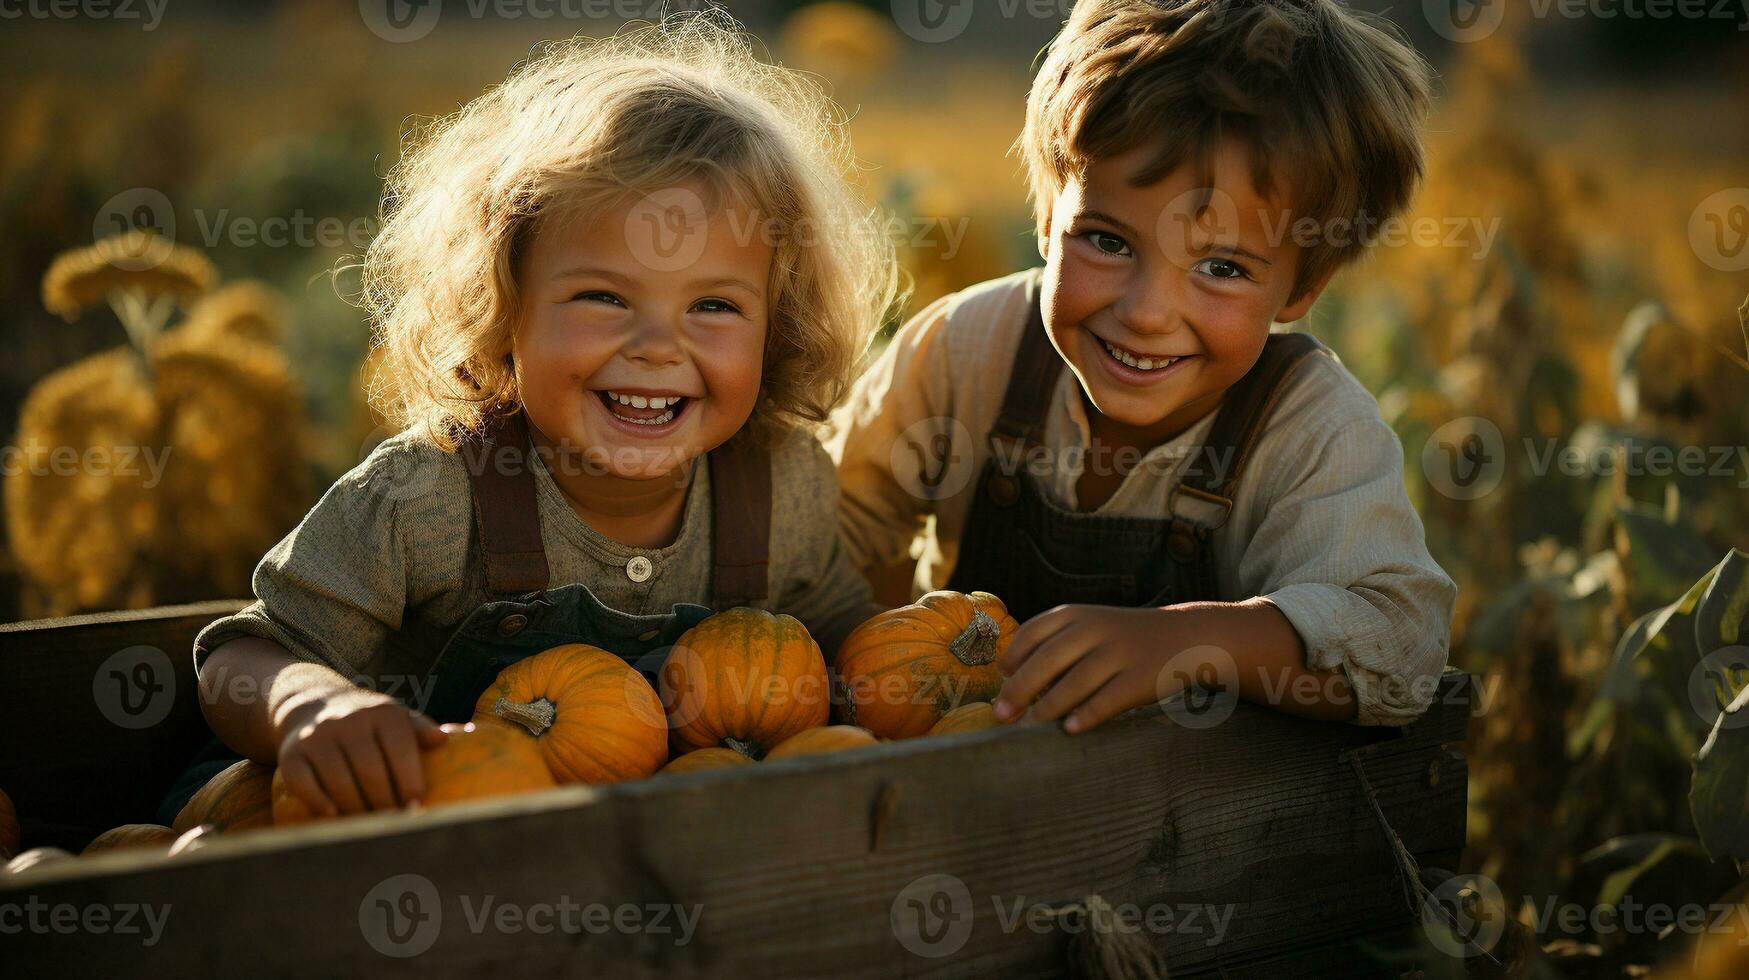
point(1194, 496)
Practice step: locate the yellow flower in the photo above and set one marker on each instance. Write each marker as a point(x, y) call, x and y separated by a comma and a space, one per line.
point(134, 261)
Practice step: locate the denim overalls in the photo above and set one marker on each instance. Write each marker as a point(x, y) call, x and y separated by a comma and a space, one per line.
point(522, 616)
point(1034, 554)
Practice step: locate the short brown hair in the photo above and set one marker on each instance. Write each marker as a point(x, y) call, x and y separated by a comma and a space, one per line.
point(1330, 101)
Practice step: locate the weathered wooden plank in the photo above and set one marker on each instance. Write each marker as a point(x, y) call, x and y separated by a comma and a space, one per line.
point(101, 714)
point(806, 867)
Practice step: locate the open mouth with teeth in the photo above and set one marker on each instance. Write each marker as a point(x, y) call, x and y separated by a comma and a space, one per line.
point(1132, 360)
point(651, 410)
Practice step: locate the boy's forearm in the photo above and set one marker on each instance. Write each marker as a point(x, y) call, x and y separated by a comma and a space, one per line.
point(249, 687)
point(1268, 656)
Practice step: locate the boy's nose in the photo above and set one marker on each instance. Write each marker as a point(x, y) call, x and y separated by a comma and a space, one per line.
point(1149, 306)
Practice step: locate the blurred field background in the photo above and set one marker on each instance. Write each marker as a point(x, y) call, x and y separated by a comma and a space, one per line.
point(1605, 314)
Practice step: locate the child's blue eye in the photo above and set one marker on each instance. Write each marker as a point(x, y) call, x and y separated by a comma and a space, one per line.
point(1223, 268)
point(715, 306)
point(1108, 243)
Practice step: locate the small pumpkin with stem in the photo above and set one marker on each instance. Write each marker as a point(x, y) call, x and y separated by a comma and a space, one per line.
point(744, 679)
point(593, 716)
point(902, 670)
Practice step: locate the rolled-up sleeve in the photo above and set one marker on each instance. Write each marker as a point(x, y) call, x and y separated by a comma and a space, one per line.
point(1343, 555)
point(332, 589)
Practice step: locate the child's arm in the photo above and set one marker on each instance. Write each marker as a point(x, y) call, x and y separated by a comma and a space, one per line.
point(343, 749)
point(1349, 617)
point(1090, 663)
point(280, 679)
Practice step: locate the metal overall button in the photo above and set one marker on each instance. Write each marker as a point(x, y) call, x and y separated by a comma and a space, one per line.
point(512, 624)
point(639, 569)
point(1181, 542)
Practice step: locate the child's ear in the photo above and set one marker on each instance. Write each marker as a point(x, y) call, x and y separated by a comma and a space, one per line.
point(1044, 238)
point(1300, 305)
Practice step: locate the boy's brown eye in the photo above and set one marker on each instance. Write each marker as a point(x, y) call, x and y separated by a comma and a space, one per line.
point(1108, 243)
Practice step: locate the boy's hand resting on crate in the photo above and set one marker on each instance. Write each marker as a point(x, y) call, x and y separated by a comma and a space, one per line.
point(1086, 664)
point(353, 751)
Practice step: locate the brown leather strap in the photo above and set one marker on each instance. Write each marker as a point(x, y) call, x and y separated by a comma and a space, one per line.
point(505, 507)
point(1216, 467)
point(1032, 380)
point(740, 522)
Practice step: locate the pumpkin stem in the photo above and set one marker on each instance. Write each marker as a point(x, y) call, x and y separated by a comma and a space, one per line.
point(536, 716)
point(976, 644)
point(746, 748)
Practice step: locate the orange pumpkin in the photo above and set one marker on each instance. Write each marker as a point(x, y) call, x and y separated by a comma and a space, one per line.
point(477, 761)
point(132, 835)
point(700, 760)
point(902, 670)
point(972, 717)
point(239, 798)
point(10, 835)
point(827, 738)
point(594, 717)
point(743, 679)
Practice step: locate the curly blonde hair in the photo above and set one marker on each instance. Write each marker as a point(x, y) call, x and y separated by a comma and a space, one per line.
point(581, 126)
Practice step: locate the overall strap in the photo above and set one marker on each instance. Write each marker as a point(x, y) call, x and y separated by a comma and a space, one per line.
point(505, 506)
point(1211, 476)
point(1031, 381)
point(740, 521)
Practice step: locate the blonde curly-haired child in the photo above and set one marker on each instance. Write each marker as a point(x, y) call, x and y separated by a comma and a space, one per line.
point(613, 296)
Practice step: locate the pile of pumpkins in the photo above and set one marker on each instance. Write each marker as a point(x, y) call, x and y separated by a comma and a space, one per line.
point(741, 686)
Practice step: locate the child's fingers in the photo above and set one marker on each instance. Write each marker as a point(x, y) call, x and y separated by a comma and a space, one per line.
point(365, 756)
point(301, 780)
point(335, 775)
point(1041, 670)
point(429, 734)
point(1088, 674)
point(1113, 698)
point(1031, 635)
point(400, 745)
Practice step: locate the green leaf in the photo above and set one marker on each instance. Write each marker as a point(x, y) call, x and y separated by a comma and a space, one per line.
point(1632, 857)
point(1718, 617)
point(1664, 556)
point(1719, 795)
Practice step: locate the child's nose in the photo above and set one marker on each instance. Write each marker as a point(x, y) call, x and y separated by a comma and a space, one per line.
point(1149, 305)
point(654, 340)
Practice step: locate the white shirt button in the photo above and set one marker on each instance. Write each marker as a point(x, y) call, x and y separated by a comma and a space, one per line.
point(639, 569)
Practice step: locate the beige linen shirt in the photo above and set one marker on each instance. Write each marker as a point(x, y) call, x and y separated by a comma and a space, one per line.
point(1321, 524)
point(392, 546)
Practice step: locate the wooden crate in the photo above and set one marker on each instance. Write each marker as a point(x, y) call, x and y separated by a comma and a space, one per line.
point(906, 859)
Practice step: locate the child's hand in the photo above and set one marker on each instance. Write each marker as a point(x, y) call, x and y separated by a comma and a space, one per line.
point(1096, 661)
point(355, 750)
